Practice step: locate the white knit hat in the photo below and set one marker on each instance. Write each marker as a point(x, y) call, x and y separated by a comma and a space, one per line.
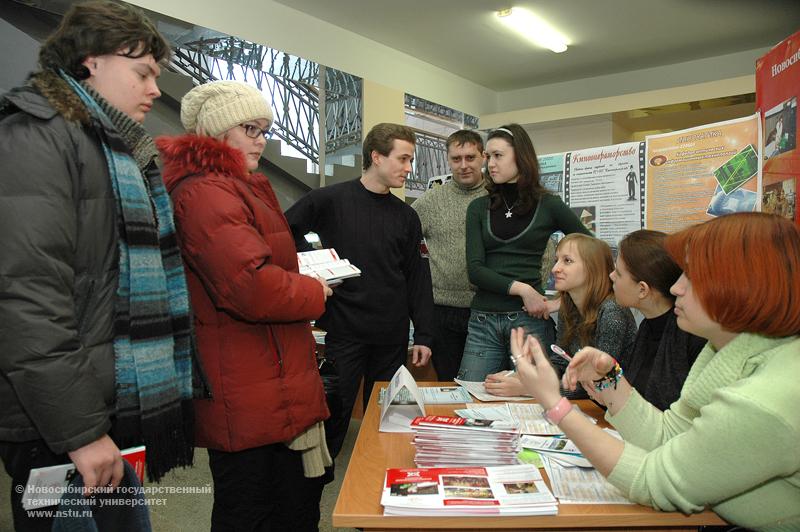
point(216, 107)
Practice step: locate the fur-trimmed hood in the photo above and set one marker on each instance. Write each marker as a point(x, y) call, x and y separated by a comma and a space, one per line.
point(45, 95)
point(191, 154)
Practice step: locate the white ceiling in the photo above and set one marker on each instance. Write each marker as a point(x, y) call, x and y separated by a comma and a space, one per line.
point(607, 36)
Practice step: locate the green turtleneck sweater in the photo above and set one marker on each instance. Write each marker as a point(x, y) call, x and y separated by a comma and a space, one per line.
point(443, 213)
point(729, 442)
point(494, 263)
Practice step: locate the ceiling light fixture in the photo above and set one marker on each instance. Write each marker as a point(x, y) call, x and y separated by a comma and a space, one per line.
point(533, 28)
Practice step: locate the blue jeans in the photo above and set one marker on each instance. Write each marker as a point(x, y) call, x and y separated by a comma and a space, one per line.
point(487, 349)
point(449, 337)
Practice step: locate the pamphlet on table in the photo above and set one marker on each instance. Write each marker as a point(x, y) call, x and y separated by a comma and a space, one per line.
point(561, 450)
point(529, 416)
point(445, 441)
point(479, 391)
point(431, 395)
point(580, 485)
point(398, 417)
point(478, 491)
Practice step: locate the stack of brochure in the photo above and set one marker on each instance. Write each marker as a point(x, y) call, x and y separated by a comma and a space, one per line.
point(326, 263)
point(478, 491)
point(443, 441)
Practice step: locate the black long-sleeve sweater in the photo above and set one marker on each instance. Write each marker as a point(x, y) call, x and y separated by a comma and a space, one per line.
point(661, 358)
point(382, 236)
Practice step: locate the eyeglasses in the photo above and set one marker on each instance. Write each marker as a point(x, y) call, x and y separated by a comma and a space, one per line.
point(254, 131)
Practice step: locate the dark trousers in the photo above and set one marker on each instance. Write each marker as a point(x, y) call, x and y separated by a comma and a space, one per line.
point(449, 334)
point(263, 490)
point(353, 361)
point(19, 458)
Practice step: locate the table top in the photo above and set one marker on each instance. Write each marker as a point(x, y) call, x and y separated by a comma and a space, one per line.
point(358, 504)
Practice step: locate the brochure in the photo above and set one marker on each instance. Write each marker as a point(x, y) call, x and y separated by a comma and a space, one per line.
point(46, 485)
point(559, 449)
point(529, 416)
point(479, 391)
point(578, 485)
point(432, 395)
point(326, 263)
point(448, 423)
point(501, 490)
point(398, 417)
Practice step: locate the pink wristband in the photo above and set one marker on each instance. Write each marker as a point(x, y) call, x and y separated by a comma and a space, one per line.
point(557, 413)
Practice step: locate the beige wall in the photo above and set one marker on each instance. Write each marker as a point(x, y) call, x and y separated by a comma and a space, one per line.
point(589, 123)
point(574, 134)
point(624, 102)
point(710, 75)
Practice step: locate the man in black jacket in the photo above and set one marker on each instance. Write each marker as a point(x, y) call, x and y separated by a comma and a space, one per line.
point(367, 318)
point(68, 141)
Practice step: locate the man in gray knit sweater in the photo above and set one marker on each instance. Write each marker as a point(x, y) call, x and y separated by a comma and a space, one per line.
point(443, 212)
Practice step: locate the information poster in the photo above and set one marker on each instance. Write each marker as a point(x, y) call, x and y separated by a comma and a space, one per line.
point(551, 175)
point(777, 90)
point(604, 187)
point(700, 173)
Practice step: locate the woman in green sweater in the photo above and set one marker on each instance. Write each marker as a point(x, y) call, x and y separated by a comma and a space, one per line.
point(730, 442)
point(507, 232)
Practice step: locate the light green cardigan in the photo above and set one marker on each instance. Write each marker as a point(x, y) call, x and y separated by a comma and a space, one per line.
point(731, 441)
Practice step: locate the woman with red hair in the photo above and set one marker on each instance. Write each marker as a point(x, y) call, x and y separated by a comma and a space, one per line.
point(730, 440)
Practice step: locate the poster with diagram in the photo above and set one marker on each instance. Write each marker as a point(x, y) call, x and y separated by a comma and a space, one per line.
point(604, 187)
point(700, 173)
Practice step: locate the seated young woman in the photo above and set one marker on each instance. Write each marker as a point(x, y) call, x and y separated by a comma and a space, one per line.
point(730, 441)
point(662, 353)
point(588, 313)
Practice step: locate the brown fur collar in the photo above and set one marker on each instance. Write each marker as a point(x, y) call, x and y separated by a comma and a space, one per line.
point(192, 154)
point(60, 96)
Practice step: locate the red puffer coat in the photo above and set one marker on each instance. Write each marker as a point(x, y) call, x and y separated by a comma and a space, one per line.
point(251, 305)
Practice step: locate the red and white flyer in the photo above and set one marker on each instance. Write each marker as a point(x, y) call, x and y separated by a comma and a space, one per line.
point(500, 490)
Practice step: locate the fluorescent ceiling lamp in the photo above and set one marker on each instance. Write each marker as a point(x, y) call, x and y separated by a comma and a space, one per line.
point(533, 28)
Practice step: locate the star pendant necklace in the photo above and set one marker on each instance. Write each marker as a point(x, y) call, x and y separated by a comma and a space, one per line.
point(509, 214)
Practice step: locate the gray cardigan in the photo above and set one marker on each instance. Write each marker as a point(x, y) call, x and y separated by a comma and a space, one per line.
point(615, 334)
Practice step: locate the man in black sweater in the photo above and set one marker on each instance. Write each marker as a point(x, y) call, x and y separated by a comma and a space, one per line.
point(367, 318)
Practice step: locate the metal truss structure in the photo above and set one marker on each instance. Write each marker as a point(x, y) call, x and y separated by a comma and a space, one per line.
point(442, 111)
point(431, 153)
point(293, 84)
point(430, 159)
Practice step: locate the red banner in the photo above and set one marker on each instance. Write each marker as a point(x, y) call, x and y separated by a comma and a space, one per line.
point(777, 92)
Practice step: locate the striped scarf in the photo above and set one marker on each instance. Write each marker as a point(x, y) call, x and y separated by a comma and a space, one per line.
point(153, 344)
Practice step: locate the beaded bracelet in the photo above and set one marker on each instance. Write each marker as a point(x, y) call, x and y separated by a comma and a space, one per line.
point(610, 379)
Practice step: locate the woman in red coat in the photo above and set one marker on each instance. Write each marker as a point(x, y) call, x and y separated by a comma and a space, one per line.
point(263, 425)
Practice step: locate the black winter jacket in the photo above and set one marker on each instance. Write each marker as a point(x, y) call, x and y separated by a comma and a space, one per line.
point(58, 270)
